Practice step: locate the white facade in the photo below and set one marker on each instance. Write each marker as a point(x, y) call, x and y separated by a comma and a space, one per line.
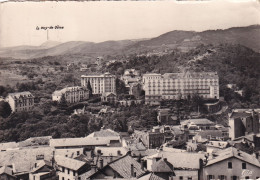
point(100, 83)
point(20, 101)
point(180, 85)
point(72, 94)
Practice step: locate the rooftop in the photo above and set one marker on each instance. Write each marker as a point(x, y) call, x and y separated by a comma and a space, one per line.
point(6, 170)
point(180, 160)
point(69, 162)
point(18, 95)
point(83, 141)
point(162, 166)
point(111, 151)
point(104, 133)
point(233, 152)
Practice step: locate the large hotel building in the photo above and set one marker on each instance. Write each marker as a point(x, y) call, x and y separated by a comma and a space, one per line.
point(180, 85)
point(100, 83)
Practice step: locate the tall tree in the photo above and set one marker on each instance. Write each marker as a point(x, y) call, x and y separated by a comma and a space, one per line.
point(5, 109)
point(90, 89)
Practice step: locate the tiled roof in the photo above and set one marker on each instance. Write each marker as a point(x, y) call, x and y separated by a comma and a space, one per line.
point(9, 145)
point(111, 151)
point(40, 164)
point(151, 176)
point(104, 133)
point(182, 160)
point(162, 166)
point(198, 121)
point(69, 162)
point(86, 141)
point(44, 140)
point(233, 152)
point(20, 94)
point(123, 167)
point(22, 159)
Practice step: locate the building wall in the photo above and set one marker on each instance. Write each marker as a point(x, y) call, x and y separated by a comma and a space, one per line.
point(236, 129)
point(100, 84)
point(21, 104)
point(67, 174)
point(221, 168)
point(179, 86)
point(185, 174)
point(72, 95)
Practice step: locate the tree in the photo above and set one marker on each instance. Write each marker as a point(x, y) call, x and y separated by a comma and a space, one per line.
point(63, 101)
point(5, 109)
point(90, 89)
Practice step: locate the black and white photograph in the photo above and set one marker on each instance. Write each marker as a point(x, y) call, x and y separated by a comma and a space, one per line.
point(130, 90)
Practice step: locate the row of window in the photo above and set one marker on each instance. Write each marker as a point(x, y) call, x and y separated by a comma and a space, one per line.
point(223, 177)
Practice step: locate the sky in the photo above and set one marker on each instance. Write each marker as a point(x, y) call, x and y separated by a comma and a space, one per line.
point(102, 20)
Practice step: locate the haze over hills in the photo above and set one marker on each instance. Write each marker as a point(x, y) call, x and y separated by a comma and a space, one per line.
point(247, 36)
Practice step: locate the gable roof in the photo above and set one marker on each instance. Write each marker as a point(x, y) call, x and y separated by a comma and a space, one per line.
point(41, 164)
point(151, 176)
point(123, 167)
point(162, 166)
point(104, 133)
point(180, 160)
point(22, 159)
point(84, 141)
point(233, 152)
point(69, 162)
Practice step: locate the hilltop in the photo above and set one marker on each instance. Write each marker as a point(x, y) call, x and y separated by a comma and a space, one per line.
point(184, 40)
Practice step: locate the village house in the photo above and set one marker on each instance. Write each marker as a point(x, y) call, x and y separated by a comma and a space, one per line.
point(125, 168)
point(43, 170)
point(243, 122)
point(165, 117)
point(71, 94)
point(109, 97)
point(20, 101)
point(161, 169)
point(203, 124)
point(151, 139)
point(70, 168)
point(135, 89)
point(231, 164)
point(186, 165)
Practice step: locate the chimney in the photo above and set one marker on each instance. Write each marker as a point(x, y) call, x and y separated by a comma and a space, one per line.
point(132, 170)
point(53, 159)
point(257, 155)
point(35, 165)
point(111, 158)
point(238, 152)
point(142, 164)
point(93, 168)
point(101, 163)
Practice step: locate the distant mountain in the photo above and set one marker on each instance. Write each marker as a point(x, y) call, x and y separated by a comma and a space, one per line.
point(247, 36)
point(184, 40)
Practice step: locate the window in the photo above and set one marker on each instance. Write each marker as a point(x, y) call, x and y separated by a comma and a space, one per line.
point(222, 177)
point(229, 165)
point(77, 153)
point(247, 177)
point(68, 171)
point(181, 178)
point(63, 169)
point(189, 178)
point(243, 165)
point(210, 177)
point(74, 173)
point(62, 178)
